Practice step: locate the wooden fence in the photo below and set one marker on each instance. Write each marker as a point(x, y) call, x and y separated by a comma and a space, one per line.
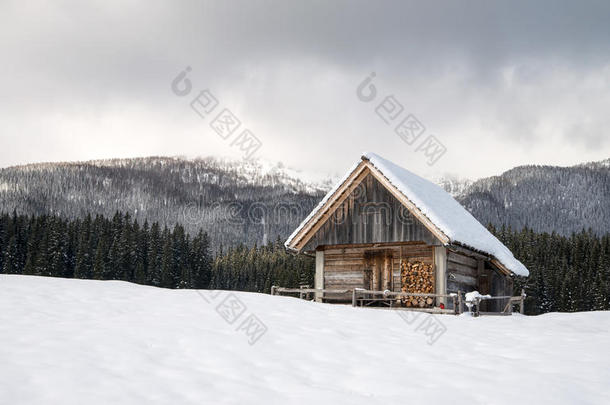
point(327, 294)
point(362, 297)
point(508, 308)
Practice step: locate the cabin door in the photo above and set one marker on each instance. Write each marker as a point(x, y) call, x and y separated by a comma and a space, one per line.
point(378, 274)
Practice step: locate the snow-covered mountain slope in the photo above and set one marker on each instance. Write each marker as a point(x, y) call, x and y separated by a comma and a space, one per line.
point(601, 164)
point(226, 198)
point(453, 185)
point(544, 198)
point(109, 342)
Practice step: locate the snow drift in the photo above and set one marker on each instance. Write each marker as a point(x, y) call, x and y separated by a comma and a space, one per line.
point(109, 342)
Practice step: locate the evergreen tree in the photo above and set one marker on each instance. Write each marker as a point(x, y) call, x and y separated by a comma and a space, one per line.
point(141, 255)
point(99, 263)
point(56, 248)
point(168, 277)
point(200, 261)
point(181, 260)
point(33, 245)
point(126, 250)
point(11, 257)
point(569, 292)
point(83, 266)
point(155, 250)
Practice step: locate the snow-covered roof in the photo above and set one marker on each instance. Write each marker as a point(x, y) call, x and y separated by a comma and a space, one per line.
point(440, 208)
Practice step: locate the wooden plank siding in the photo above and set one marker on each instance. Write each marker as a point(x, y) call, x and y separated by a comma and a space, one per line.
point(370, 214)
point(467, 274)
point(343, 268)
point(353, 267)
point(499, 285)
point(461, 273)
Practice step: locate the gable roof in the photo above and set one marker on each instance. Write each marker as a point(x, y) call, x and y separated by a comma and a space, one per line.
point(449, 221)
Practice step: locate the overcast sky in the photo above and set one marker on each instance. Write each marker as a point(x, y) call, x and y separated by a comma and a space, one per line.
point(498, 85)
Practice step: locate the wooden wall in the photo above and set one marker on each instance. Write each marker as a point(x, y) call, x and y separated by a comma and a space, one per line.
point(371, 214)
point(353, 267)
point(462, 272)
point(344, 268)
point(499, 285)
point(467, 274)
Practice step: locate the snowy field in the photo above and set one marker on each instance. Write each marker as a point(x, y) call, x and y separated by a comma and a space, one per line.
point(107, 342)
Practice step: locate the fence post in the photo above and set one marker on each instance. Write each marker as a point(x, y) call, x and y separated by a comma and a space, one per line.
point(354, 297)
point(459, 301)
point(304, 295)
point(273, 290)
point(521, 306)
point(508, 308)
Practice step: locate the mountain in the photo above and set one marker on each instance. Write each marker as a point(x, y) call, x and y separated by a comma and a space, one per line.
point(544, 198)
point(234, 201)
point(453, 185)
point(253, 201)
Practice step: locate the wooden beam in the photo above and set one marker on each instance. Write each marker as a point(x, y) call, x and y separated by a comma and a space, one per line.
point(376, 276)
point(387, 271)
point(468, 252)
point(440, 264)
point(522, 302)
point(319, 277)
point(380, 245)
point(501, 267)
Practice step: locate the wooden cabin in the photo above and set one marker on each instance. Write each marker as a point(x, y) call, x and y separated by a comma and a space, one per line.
point(384, 228)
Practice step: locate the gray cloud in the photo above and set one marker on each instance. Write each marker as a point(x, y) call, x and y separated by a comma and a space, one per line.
point(521, 82)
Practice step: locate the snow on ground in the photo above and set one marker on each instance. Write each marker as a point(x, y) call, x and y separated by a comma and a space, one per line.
point(109, 342)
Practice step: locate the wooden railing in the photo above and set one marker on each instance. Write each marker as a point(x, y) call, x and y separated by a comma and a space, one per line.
point(363, 297)
point(306, 292)
point(508, 308)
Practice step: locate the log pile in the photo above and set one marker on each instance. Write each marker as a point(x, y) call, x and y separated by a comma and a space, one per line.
point(417, 277)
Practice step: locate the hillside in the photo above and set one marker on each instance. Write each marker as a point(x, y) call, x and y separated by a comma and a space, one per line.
point(544, 198)
point(234, 201)
point(110, 342)
point(251, 202)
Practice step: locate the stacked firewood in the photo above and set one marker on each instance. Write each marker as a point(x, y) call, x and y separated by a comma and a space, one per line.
point(417, 277)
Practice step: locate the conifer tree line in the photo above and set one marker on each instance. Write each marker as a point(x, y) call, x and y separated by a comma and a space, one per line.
point(121, 249)
point(566, 273)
